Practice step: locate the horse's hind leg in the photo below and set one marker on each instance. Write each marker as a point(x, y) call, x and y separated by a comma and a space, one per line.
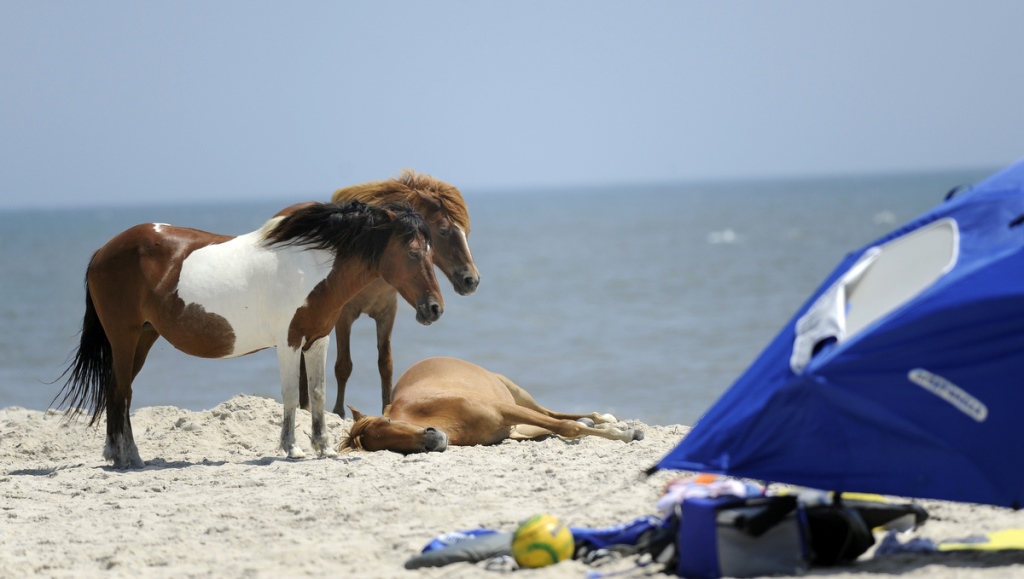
point(148, 337)
point(524, 399)
point(515, 415)
point(126, 350)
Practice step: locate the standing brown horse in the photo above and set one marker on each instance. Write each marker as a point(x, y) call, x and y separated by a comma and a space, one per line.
point(217, 296)
point(445, 211)
point(442, 401)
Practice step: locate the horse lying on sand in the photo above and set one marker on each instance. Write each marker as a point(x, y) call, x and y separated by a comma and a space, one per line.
point(442, 401)
point(442, 206)
point(217, 296)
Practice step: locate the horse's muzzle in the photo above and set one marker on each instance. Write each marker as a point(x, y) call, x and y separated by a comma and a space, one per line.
point(465, 282)
point(428, 311)
point(434, 440)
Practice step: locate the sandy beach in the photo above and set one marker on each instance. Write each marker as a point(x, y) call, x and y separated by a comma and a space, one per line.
point(218, 499)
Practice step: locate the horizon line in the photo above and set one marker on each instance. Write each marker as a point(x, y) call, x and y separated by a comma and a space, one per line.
point(977, 172)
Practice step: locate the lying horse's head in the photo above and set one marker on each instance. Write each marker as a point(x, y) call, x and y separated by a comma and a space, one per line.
point(381, 433)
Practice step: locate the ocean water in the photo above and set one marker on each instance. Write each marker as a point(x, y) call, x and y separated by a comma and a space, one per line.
point(646, 302)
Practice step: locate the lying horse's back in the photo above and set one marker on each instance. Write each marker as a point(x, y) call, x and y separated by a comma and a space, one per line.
point(449, 376)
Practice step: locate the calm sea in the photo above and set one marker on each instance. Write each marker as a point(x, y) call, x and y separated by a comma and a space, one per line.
point(646, 302)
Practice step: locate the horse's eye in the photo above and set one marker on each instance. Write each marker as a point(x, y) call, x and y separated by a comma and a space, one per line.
point(444, 231)
point(415, 253)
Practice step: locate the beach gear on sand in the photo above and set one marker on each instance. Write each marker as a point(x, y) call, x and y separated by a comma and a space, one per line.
point(477, 545)
point(713, 527)
point(1005, 540)
point(901, 373)
point(462, 546)
point(751, 534)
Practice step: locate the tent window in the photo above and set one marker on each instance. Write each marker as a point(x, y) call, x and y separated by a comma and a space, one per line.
point(904, 268)
point(883, 279)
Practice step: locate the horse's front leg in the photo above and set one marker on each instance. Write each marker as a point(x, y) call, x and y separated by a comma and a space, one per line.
point(385, 363)
point(316, 378)
point(288, 361)
point(343, 366)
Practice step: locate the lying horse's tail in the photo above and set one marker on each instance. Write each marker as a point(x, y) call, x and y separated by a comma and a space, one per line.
point(91, 368)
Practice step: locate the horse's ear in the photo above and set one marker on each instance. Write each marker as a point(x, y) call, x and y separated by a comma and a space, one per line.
point(387, 216)
point(356, 415)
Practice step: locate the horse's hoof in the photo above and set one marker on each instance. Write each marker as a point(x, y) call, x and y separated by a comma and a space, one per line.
point(586, 422)
point(295, 453)
point(328, 452)
point(134, 458)
point(638, 434)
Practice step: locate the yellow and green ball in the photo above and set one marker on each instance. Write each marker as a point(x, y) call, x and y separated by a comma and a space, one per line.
point(542, 540)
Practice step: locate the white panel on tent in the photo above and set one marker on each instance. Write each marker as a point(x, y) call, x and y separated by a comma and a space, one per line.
point(904, 268)
point(883, 279)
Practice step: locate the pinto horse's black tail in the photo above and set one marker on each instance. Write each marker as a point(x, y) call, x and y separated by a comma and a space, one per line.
point(91, 368)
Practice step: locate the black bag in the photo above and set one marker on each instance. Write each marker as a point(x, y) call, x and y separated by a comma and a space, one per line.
point(842, 531)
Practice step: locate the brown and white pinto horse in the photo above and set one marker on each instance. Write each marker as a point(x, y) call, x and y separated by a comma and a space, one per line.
point(217, 296)
point(445, 211)
point(442, 401)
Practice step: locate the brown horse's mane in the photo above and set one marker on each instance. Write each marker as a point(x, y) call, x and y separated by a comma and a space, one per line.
point(404, 188)
point(351, 229)
point(353, 440)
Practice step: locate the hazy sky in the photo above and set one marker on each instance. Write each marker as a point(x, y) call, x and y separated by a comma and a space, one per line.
point(110, 102)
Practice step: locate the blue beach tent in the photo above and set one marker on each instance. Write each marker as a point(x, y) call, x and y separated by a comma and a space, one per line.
point(902, 375)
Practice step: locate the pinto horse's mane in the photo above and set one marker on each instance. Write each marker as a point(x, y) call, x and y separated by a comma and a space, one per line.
point(417, 189)
point(349, 229)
